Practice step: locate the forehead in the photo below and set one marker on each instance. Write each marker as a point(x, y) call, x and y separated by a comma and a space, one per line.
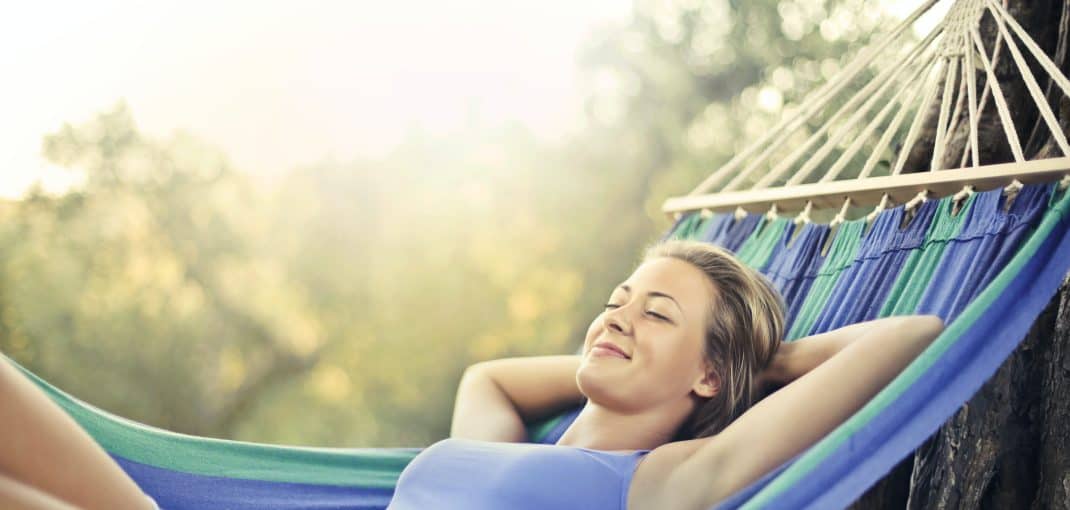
point(680, 279)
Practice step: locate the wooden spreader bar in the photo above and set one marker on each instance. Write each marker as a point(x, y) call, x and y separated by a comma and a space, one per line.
point(868, 192)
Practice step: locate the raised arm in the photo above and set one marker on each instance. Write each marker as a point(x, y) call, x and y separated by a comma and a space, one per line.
point(495, 398)
point(864, 359)
point(797, 358)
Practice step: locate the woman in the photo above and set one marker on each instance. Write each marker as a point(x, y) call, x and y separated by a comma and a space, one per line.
point(670, 372)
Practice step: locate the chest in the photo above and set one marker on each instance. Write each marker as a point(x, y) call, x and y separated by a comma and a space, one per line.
point(456, 474)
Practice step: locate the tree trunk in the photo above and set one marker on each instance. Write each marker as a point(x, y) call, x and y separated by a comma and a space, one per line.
point(1008, 447)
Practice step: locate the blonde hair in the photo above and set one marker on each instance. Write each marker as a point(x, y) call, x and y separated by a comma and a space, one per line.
point(744, 328)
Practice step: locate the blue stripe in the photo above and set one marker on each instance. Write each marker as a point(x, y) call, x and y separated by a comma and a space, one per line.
point(174, 490)
point(793, 269)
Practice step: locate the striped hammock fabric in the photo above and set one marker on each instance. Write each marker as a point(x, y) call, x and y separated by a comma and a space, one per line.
point(988, 270)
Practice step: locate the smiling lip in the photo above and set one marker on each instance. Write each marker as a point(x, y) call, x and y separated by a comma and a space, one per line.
point(607, 349)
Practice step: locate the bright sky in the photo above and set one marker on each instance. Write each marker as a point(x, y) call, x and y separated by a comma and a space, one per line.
point(278, 84)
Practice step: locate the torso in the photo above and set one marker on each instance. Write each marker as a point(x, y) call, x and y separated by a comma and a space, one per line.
point(469, 473)
point(593, 478)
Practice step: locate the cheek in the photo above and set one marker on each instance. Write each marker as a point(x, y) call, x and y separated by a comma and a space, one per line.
point(673, 359)
point(663, 350)
point(592, 331)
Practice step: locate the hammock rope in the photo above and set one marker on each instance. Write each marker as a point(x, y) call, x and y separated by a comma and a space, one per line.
point(813, 103)
point(946, 60)
point(871, 93)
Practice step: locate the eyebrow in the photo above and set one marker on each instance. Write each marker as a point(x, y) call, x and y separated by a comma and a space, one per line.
point(652, 293)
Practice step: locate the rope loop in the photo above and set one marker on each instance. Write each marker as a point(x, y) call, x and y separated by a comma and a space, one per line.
point(964, 193)
point(804, 216)
point(918, 199)
point(842, 215)
point(886, 200)
point(771, 215)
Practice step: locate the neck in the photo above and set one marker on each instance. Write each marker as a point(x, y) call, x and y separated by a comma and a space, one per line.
point(600, 428)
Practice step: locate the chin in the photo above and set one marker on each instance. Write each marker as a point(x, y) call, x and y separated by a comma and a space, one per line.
point(601, 387)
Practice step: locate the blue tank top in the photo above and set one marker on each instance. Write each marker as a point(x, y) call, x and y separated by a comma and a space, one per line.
point(482, 475)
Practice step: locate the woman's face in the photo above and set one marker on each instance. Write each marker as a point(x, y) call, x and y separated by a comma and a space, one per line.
point(657, 317)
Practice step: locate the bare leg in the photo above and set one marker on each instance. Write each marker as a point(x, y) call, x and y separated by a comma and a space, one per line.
point(46, 449)
point(16, 495)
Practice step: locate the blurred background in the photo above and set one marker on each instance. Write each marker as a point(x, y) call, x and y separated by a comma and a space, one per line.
point(298, 222)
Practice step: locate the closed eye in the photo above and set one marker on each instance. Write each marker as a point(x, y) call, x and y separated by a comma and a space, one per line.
point(662, 317)
point(658, 315)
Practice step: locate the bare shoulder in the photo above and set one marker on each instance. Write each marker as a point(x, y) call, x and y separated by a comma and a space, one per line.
point(659, 482)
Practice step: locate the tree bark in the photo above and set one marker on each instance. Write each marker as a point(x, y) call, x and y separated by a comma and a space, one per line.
point(1008, 447)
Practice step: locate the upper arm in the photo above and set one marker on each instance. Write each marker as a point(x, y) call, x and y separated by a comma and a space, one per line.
point(537, 386)
point(496, 398)
point(794, 418)
point(482, 411)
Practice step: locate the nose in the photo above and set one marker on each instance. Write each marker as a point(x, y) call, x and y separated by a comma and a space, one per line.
point(614, 319)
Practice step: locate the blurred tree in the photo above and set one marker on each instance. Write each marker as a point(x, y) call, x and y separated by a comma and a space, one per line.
point(142, 289)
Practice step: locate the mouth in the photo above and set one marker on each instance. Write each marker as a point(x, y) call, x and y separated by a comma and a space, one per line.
point(609, 350)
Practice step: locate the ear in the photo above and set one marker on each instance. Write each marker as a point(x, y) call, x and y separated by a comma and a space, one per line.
point(709, 385)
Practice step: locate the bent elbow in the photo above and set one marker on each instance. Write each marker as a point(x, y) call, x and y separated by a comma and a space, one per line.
point(929, 326)
point(935, 322)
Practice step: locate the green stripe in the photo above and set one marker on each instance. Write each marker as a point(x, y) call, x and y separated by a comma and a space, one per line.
point(759, 246)
point(538, 431)
point(813, 457)
point(351, 467)
point(687, 229)
point(842, 252)
point(921, 264)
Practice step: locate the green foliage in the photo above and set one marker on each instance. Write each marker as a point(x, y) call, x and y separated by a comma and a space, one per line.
point(339, 304)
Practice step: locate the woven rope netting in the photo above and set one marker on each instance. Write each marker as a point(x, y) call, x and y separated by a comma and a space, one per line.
point(881, 101)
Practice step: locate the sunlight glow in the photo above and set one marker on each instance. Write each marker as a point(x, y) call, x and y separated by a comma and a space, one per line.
point(279, 84)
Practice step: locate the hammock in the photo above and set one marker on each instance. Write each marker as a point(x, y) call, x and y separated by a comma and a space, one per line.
point(1011, 261)
point(986, 262)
